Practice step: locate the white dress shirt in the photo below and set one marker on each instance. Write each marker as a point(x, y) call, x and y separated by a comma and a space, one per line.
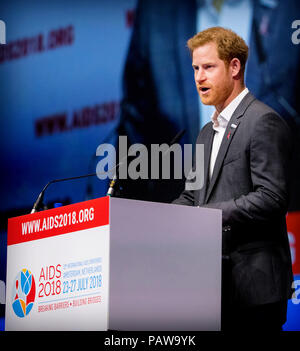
point(220, 122)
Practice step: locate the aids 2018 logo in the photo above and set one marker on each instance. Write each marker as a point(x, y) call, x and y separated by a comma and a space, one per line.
point(23, 294)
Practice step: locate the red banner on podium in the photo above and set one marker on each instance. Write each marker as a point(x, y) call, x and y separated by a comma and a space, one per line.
point(293, 227)
point(62, 220)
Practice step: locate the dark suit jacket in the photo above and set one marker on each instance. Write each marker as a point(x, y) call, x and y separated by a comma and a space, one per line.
point(249, 185)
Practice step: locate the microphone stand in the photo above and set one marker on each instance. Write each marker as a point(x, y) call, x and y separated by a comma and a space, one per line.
point(39, 202)
point(113, 182)
point(89, 187)
point(40, 198)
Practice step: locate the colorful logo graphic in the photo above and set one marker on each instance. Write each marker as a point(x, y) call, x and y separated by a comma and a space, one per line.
point(23, 293)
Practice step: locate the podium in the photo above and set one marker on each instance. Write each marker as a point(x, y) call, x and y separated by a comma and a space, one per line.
point(115, 264)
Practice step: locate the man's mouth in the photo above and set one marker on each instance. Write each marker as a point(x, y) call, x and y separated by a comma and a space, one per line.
point(203, 90)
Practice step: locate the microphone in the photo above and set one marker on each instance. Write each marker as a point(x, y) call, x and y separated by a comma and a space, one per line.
point(40, 198)
point(177, 137)
point(110, 191)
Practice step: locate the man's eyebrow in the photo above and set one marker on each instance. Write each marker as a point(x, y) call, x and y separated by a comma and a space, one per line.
point(208, 63)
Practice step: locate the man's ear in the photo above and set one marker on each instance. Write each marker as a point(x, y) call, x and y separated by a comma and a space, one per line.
point(236, 68)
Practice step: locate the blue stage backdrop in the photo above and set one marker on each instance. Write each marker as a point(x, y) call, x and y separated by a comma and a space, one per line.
point(61, 87)
point(60, 93)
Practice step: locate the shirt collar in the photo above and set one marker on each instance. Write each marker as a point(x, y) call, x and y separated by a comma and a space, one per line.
point(221, 120)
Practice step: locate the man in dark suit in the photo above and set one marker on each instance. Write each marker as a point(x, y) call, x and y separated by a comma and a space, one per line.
point(246, 151)
point(158, 94)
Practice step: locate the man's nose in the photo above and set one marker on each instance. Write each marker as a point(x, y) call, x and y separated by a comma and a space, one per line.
point(200, 76)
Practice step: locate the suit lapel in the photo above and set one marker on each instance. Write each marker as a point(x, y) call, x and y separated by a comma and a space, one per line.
point(227, 138)
point(207, 141)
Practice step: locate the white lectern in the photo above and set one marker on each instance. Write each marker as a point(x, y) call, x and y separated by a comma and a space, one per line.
point(115, 264)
